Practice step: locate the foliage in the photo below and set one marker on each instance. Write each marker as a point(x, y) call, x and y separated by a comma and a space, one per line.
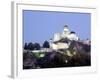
point(29, 60)
point(38, 55)
point(37, 46)
point(78, 54)
point(46, 44)
point(25, 46)
point(31, 46)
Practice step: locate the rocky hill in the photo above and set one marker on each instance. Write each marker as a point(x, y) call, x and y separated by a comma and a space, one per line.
point(78, 54)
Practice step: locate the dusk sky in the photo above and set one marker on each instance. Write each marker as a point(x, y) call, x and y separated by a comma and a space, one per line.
point(39, 26)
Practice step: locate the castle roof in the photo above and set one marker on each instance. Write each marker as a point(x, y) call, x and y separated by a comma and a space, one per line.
point(65, 25)
point(72, 32)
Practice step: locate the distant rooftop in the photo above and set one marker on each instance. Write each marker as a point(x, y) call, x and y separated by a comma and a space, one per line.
point(72, 32)
point(65, 25)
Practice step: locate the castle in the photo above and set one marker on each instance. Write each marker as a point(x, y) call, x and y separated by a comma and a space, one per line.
point(56, 42)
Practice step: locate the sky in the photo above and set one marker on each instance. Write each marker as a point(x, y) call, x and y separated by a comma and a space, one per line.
point(39, 26)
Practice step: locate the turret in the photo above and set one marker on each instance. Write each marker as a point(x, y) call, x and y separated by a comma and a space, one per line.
point(66, 29)
point(65, 32)
point(73, 36)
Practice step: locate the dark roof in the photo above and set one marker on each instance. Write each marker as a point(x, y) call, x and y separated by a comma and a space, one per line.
point(50, 38)
point(72, 32)
point(65, 25)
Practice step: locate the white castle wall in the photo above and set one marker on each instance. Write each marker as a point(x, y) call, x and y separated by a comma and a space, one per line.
point(60, 46)
point(73, 37)
point(64, 34)
point(57, 36)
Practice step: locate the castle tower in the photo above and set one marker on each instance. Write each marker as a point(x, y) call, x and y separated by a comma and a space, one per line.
point(73, 36)
point(65, 32)
point(57, 37)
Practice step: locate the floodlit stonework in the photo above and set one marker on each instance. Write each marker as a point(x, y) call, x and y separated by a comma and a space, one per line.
point(55, 43)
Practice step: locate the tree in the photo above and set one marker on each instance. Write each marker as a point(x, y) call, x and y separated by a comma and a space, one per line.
point(30, 46)
point(25, 46)
point(46, 44)
point(37, 46)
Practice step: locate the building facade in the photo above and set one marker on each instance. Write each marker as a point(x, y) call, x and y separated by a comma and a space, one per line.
point(55, 43)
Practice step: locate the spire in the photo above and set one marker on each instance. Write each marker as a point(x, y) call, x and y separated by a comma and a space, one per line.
point(66, 26)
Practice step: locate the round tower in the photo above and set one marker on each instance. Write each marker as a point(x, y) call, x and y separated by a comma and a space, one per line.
point(65, 32)
point(73, 36)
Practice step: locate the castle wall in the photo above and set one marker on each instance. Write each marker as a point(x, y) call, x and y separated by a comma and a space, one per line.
point(60, 46)
point(57, 36)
